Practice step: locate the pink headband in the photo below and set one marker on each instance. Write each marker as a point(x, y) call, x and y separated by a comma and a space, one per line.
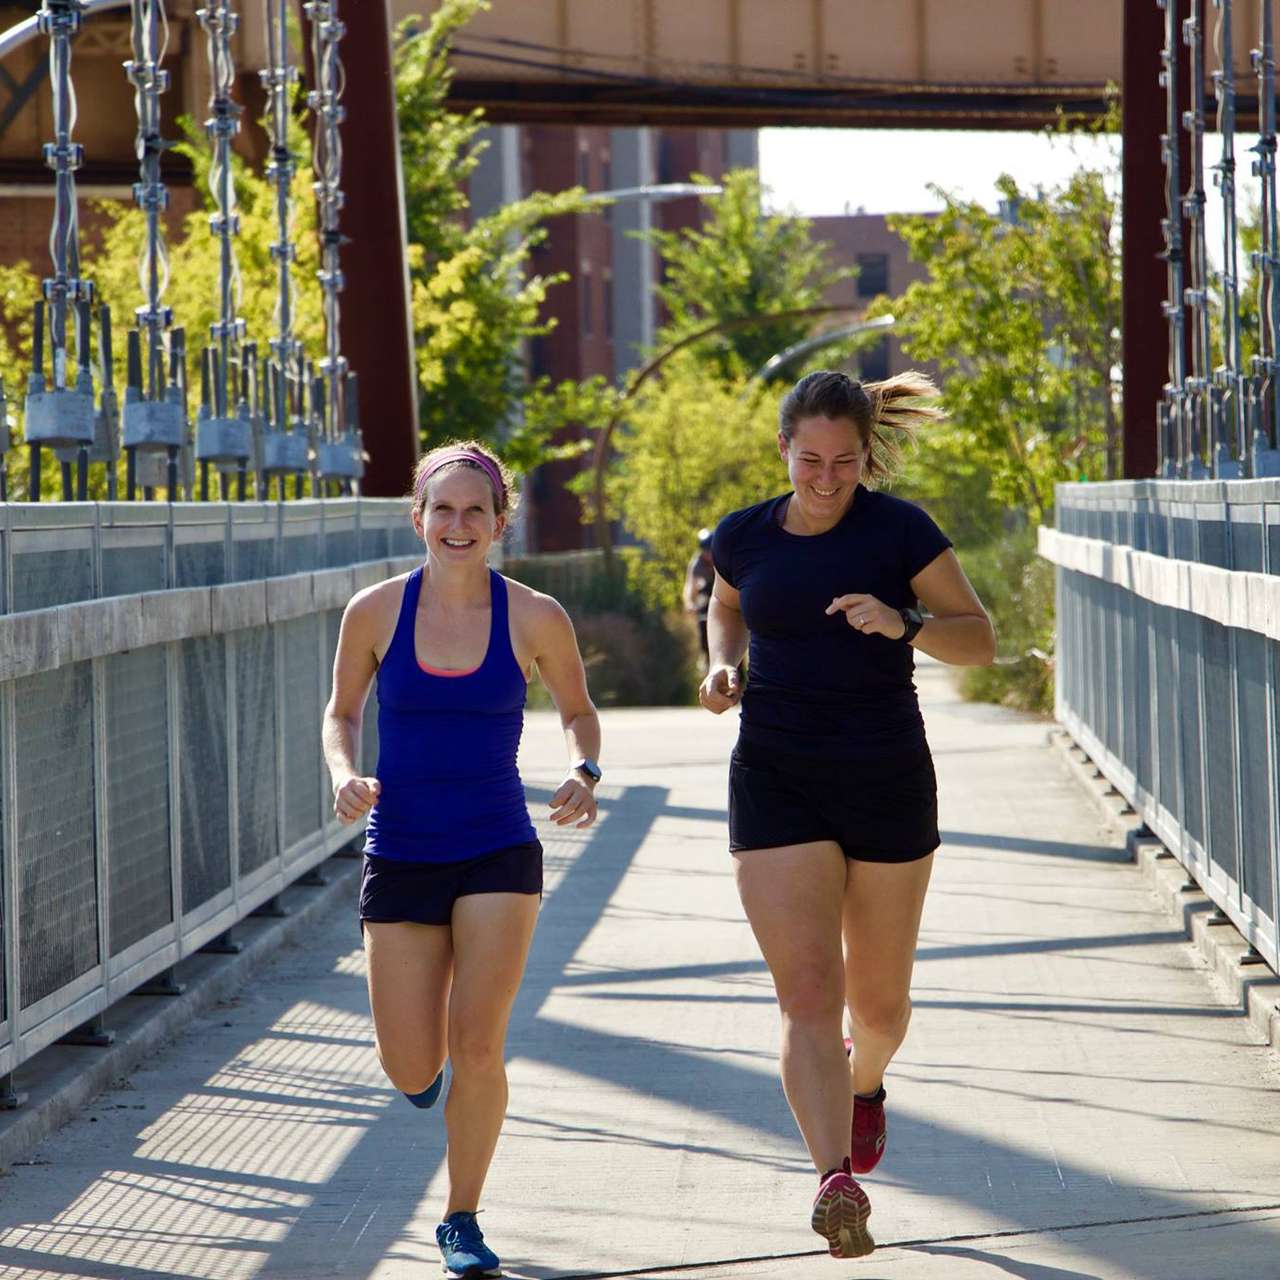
point(458, 455)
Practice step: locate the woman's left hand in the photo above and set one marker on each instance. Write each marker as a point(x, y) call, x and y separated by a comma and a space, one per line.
point(865, 614)
point(573, 803)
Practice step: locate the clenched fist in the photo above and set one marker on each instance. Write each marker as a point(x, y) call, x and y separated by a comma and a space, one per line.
point(355, 797)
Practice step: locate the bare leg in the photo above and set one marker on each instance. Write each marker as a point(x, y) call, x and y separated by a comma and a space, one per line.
point(410, 966)
point(883, 902)
point(491, 936)
point(792, 897)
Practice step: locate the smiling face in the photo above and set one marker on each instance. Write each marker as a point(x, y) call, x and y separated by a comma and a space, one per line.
point(825, 459)
point(457, 521)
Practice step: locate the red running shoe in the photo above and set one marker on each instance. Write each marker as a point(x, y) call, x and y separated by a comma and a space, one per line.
point(866, 1144)
point(840, 1213)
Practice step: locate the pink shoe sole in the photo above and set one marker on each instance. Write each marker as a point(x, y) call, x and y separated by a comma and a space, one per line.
point(840, 1213)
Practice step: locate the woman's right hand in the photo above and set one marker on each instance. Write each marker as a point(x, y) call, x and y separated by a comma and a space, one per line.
point(721, 689)
point(354, 798)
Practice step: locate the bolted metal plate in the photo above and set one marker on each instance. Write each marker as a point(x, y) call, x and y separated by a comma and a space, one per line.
point(284, 451)
point(222, 440)
point(153, 424)
point(59, 418)
point(340, 460)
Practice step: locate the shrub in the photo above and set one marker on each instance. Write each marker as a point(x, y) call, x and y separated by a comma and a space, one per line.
point(635, 655)
point(1017, 587)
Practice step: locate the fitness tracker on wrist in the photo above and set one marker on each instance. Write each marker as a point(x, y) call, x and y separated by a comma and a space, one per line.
point(589, 767)
point(912, 620)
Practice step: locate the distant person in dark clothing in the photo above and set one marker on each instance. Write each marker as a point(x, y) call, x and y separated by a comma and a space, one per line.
point(832, 799)
point(698, 581)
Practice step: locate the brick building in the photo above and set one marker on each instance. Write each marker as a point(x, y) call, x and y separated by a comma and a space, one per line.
point(606, 312)
point(864, 240)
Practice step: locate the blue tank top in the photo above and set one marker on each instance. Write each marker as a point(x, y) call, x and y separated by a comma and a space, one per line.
point(447, 747)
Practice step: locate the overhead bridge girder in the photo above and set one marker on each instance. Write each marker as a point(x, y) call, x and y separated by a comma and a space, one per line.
point(749, 63)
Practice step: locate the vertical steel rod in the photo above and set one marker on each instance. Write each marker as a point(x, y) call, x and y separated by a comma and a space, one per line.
point(1202, 401)
point(1228, 376)
point(1265, 386)
point(1174, 448)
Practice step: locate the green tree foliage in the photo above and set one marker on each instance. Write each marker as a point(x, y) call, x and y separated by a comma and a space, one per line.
point(1021, 314)
point(698, 438)
point(475, 301)
point(741, 263)
point(694, 448)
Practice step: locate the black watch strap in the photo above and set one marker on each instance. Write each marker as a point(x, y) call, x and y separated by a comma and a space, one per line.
point(589, 767)
point(912, 621)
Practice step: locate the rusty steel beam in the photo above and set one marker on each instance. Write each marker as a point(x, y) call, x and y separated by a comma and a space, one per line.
point(377, 323)
point(1144, 340)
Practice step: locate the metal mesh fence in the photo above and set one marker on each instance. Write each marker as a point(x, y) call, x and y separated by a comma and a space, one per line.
point(202, 769)
point(1219, 746)
point(1168, 775)
point(199, 564)
point(129, 569)
point(1188, 638)
point(47, 577)
point(136, 728)
point(1175, 704)
point(254, 558)
point(256, 788)
point(56, 850)
point(374, 543)
point(301, 739)
point(119, 787)
point(1255, 657)
point(1145, 696)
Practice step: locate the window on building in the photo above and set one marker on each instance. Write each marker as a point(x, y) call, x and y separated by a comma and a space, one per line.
point(666, 162)
point(584, 167)
point(606, 184)
point(873, 274)
point(607, 304)
point(874, 361)
point(538, 367)
point(588, 319)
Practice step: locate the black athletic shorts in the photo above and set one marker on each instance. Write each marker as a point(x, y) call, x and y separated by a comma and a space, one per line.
point(880, 810)
point(393, 890)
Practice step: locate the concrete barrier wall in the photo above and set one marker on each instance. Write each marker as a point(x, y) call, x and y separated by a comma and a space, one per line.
point(1168, 671)
point(163, 671)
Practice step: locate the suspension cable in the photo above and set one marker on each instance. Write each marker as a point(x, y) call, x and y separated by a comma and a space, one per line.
point(285, 449)
point(1203, 424)
point(1172, 408)
point(1265, 384)
point(1228, 375)
point(340, 450)
point(223, 436)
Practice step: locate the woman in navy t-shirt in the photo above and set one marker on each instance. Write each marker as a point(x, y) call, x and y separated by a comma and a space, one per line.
point(832, 797)
point(453, 869)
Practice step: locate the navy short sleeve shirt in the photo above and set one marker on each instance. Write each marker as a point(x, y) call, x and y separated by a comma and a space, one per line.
point(817, 685)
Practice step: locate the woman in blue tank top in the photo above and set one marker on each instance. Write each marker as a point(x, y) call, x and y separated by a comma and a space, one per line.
point(833, 816)
point(453, 870)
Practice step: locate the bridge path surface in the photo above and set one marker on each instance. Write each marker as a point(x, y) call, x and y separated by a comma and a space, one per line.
point(1076, 1101)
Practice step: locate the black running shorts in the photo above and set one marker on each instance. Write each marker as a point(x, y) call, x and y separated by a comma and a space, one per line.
point(881, 810)
point(394, 891)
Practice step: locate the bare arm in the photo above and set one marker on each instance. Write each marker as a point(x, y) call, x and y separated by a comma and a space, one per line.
point(354, 666)
point(958, 632)
point(727, 638)
point(560, 665)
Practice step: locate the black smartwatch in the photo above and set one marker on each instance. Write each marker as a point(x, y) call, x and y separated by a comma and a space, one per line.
point(912, 620)
point(589, 767)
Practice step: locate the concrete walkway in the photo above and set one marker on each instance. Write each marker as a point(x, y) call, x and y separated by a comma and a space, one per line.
point(1075, 1101)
